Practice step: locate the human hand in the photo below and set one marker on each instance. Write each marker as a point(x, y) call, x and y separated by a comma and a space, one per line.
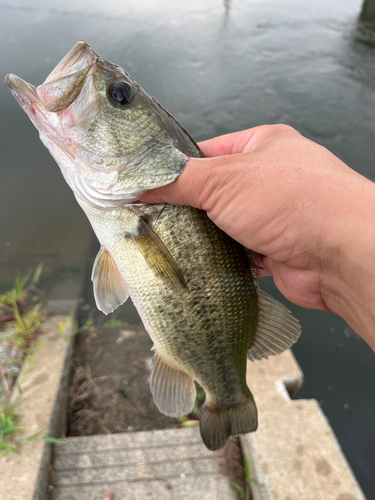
point(286, 198)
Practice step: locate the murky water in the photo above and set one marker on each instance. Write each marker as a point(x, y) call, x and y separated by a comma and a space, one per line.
point(217, 66)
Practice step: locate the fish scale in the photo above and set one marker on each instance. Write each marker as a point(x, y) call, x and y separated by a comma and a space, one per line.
point(198, 322)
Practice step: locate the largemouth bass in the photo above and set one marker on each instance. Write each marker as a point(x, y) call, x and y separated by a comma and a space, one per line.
point(191, 283)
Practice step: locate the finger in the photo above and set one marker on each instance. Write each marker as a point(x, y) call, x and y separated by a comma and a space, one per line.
point(199, 179)
point(227, 144)
point(240, 142)
point(266, 268)
point(262, 273)
point(182, 191)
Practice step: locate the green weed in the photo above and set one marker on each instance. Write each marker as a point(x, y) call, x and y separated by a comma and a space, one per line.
point(26, 326)
point(16, 297)
point(24, 319)
point(199, 401)
point(181, 420)
point(52, 440)
point(9, 431)
point(9, 419)
point(244, 493)
point(115, 323)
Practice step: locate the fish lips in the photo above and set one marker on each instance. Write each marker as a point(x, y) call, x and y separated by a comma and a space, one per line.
point(24, 93)
point(61, 87)
point(27, 97)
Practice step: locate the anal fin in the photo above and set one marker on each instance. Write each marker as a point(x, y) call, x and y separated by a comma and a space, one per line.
point(109, 288)
point(277, 328)
point(173, 390)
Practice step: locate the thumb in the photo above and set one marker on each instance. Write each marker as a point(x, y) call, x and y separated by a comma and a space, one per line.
point(194, 185)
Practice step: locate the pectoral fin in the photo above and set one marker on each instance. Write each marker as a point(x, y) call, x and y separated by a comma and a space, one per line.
point(277, 328)
point(158, 257)
point(173, 390)
point(109, 287)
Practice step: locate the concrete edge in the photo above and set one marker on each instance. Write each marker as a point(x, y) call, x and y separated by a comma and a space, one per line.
point(294, 455)
point(58, 421)
point(44, 382)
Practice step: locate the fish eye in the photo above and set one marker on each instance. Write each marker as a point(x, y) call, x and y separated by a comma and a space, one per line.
point(120, 93)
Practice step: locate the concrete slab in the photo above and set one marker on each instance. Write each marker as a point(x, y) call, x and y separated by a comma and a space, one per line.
point(125, 472)
point(204, 487)
point(294, 454)
point(42, 407)
point(167, 464)
point(130, 457)
point(129, 440)
point(62, 306)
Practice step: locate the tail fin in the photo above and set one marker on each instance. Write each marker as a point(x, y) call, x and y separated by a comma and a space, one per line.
point(218, 423)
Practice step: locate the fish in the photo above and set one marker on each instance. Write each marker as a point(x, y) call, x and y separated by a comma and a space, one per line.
point(191, 283)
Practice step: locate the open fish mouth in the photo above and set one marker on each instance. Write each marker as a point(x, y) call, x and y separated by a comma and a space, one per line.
point(60, 88)
point(63, 85)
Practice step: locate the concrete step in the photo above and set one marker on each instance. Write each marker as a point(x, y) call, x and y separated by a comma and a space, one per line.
point(115, 457)
point(202, 487)
point(166, 464)
point(129, 440)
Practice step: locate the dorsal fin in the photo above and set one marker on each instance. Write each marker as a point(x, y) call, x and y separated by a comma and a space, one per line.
point(158, 257)
point(277, 328)
point(109, 287)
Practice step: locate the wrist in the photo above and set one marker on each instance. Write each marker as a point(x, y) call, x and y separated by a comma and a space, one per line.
point(348, 268)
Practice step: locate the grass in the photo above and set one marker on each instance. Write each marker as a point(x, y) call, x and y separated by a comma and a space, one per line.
point(9, 431)
point(17, 295)
point(115, 323)
point(23, 305)
point(191, 420)
point(23, 316)
point(26, 326)
point(244, 493)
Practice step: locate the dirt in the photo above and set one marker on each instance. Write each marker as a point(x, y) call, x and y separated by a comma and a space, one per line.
point(110, 389)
